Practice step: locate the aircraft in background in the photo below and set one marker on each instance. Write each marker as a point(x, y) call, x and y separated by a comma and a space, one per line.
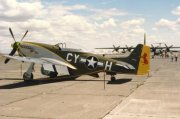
point(156, 50)
point(117, 48)
point(124, 49)
point(168, 48)
point(162, 50)
point(75, 62)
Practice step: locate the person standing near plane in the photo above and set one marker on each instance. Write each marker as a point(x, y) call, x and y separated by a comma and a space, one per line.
point(166, 54)
point(172, 57)
point(176, 57)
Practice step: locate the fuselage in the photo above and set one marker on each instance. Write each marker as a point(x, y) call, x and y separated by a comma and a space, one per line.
point(85, 62)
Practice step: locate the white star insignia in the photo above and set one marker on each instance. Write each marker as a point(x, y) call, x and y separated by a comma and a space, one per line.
point(91, 62)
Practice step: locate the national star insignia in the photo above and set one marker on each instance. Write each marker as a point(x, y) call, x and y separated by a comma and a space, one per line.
point(91, 62)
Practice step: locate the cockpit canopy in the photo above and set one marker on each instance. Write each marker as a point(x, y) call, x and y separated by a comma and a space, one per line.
point(70, 47)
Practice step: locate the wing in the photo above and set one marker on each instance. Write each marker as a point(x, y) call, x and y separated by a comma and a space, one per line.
point(105, 48)
point(41, 60)
point(114, 48)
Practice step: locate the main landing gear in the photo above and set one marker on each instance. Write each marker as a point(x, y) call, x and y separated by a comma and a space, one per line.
point(113, 78)
point(28, 75)
point(51, 74)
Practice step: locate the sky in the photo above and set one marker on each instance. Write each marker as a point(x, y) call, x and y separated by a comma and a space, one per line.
point(90, 23)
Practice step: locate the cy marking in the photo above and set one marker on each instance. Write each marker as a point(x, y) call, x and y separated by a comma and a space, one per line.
point(70, 57)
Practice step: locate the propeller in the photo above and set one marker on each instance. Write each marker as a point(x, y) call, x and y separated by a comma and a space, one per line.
point(116, 48)
point(153, 49)
point(129, 48)
point(168, 47)
point(15, 45)
point(156, 50)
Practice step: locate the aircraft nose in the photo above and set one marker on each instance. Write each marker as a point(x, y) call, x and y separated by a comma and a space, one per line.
point(15, 45)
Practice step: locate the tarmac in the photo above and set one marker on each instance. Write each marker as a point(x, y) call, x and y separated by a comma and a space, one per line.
point(156, 96)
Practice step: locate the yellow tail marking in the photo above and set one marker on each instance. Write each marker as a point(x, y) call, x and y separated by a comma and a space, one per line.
point(144, 63)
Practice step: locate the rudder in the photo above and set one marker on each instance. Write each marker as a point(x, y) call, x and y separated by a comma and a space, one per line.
point(144, 63)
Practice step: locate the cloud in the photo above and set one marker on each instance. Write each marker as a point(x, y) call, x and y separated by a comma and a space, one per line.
point(132, 31)
point(133, 26)
point(169, 28)
point(61, 9)
point(11, 10)
point(109, 12)
point(101, 14)
point(108, 23)
point(171, 25)
point(132, 23)
point(176, 11)
point(138, 30)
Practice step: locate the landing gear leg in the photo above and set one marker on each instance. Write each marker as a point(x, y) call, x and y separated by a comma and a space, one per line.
point(28, 76)
point(113, 78)
point(51, 74)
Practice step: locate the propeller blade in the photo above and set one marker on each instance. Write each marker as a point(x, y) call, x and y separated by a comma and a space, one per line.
point(11, 54)
point(6, 61)
point(171, 46)
point(152, 46)
point(114, 46)
point(12, 34)
point(166, 45)
point(24, 35)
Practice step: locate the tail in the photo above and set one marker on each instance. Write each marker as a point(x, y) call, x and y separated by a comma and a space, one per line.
point(139, 59)
point(144, 61)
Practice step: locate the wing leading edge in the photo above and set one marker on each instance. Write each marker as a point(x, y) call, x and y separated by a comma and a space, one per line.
point(41, 60)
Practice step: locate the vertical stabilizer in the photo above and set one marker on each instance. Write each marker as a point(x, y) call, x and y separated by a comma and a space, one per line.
point(144, 38)
point(144, 63)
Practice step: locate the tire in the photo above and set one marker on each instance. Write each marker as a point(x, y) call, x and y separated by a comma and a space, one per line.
point(113, 78)
point(27, 77)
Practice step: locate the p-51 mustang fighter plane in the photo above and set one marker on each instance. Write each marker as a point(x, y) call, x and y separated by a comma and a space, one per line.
point(76, 62)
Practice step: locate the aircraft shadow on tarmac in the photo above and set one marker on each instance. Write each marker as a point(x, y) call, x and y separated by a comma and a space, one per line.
point(47, 81)
point(120, 81)
point(29, 83)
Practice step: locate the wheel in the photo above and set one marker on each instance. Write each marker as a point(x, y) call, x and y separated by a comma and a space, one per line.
point(27, 77)
point(113, 78)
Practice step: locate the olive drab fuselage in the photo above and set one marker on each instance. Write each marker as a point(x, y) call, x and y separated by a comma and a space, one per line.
point(85, 63)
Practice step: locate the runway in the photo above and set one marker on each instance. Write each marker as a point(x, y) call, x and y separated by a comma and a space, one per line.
point(131, 97)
